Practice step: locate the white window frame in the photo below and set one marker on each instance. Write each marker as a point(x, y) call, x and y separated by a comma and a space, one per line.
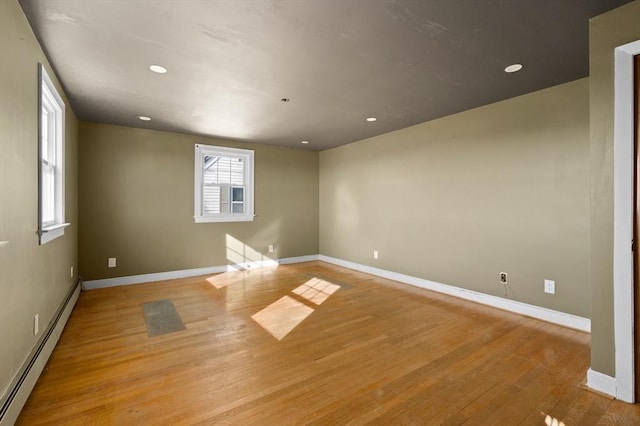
point(53, 160)
point(247, 156)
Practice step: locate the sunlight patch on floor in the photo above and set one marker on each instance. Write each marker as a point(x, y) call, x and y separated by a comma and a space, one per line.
point(316, 290)
point(227, 278)
point(282, 316)
point(285, 314)
point(552, 421)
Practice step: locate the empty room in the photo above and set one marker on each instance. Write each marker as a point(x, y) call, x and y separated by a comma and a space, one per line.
point(274, 212)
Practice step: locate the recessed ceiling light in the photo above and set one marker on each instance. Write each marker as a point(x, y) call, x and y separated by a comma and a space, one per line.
point(371, 119)
point(513, 68)
point(144, 118)
point(158, 68)
point(305, 142)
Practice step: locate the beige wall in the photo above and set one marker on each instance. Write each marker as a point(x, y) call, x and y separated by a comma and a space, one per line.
point(136, 203)
point(607, 32)
point(504, 187)
point(33, 279)
point(457, 200)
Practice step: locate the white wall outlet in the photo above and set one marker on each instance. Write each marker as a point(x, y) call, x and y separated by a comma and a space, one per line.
point(270, 248)
point(112, 262)
point(550, 286)
point(375, 254)
point(71, 272)
point(36, 319)
point(503, 278)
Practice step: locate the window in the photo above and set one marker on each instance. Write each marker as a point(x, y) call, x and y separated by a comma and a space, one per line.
point(223, 184)
point(51, 160)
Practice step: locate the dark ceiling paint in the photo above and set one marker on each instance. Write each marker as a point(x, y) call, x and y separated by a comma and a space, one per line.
point(231, 62)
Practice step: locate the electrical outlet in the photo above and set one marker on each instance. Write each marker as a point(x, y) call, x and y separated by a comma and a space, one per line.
point(375, 254)
point(550, 286)
point(36, 319)
point(270, 248)
point(503, 278)
point(71, 273)
point(112, 262)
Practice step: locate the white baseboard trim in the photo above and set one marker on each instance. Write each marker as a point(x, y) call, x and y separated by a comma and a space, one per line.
point(602, 383)
point(556, 317)
point(545, 314)
point(146, 278)
point(299, 259)
point(22, 386)
point(185, 273)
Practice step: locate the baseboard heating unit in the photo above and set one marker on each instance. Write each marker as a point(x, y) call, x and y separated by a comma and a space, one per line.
point(16, 396)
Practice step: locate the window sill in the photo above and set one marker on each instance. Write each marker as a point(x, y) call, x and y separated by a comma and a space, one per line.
point(235, 218)
point(50, 233)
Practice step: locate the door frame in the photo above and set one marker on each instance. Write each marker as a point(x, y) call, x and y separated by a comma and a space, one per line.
point(623, 268)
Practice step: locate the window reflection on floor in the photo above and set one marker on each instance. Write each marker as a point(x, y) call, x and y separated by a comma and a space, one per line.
point(552, 421)
point(285, 314)
point(316, 290)
point(282, 316)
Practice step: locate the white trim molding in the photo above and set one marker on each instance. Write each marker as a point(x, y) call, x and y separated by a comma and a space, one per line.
point(51, 158)
point(185, 273)
point(601, 382)
point(216, 153)
point(549, 315)
point(298, 259)
point(147, 278)
point(623, 159)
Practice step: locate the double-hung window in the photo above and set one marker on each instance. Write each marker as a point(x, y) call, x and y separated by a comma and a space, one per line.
point(223, 184)
point(51, 160)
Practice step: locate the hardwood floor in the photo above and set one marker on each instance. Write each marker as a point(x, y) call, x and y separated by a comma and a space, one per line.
point(315, 344)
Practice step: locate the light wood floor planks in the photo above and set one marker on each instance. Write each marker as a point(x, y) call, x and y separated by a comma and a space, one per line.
point(369, 352)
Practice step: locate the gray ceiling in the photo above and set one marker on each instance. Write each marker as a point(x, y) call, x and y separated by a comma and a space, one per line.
point(339, 61)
